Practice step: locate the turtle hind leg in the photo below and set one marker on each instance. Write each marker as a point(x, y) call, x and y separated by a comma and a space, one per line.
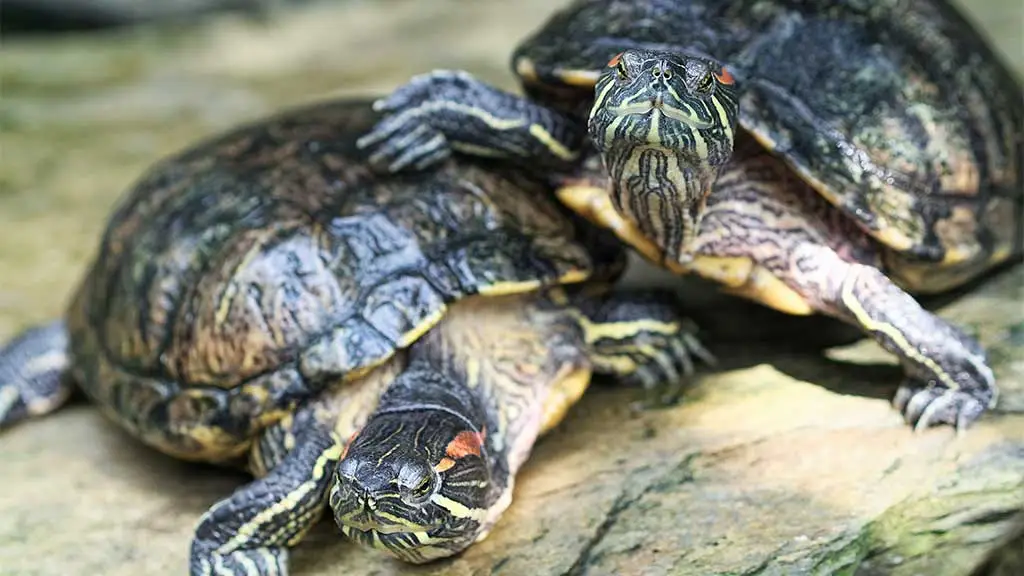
point(249, 532)
point(32, 373)
point(642, 337)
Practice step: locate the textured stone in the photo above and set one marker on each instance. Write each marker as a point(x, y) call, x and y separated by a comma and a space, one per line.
point(786, 459)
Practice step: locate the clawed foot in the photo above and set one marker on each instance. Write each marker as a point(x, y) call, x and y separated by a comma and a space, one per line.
point(669, 366)
point(417, 116)
point(925, 406)
point(243, 562)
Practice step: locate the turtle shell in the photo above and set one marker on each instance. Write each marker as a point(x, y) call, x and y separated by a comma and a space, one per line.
point(250, 272)
point(897, 112)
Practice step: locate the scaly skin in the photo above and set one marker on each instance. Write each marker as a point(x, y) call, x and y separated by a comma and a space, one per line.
point(440, 454)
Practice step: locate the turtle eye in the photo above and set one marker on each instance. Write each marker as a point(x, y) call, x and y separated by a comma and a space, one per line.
point(706, 83)
point(418, 494)
point(422, 488)
point(415, 482)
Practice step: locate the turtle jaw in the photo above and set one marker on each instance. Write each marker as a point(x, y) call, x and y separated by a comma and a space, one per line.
point(664, 127)
point(660, 189)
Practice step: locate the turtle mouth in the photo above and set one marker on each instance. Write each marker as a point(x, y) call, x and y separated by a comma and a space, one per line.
point(387, 528)
point(368, 524)
point(416, 547)
point(657, 105)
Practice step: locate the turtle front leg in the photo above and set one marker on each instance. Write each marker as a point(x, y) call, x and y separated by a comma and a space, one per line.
point(249, 532)
point(770, 237)
point(948, 378)
point(642, 337)
point(449, 110)
point(32, 373)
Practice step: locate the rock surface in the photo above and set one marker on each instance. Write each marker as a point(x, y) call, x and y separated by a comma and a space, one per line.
point(787, 459)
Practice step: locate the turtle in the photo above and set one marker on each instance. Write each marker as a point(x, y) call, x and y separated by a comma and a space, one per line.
point(388, 347)
point(838, 158)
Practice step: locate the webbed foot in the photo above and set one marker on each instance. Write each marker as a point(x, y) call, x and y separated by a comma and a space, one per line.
point(669, 364)
point(948, 377)
point(643, 338)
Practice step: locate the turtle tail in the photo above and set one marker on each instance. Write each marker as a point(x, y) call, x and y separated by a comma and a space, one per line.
point(32, 373)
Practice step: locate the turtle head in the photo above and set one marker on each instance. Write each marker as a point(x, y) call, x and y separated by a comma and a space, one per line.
point(663, 124)
point(413, 483)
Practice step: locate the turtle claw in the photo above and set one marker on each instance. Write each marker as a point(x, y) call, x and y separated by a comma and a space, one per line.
point(433, 154)
point(667, 371)
point(690, 345)
point(436, 85)
point(421, 147)
point(406, 140)
point(32, 378)
point(418, 117)
point(927, 406)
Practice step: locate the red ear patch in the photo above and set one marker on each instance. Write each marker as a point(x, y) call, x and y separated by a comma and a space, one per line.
point(724, 77)
point(348, 445)
point(615, 60)
point(465, 443)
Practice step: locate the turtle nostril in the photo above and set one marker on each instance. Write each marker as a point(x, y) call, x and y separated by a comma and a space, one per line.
point(356, 479)
point(348, 468)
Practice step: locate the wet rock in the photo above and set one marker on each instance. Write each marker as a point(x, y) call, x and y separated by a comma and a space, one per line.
point(788, 459)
